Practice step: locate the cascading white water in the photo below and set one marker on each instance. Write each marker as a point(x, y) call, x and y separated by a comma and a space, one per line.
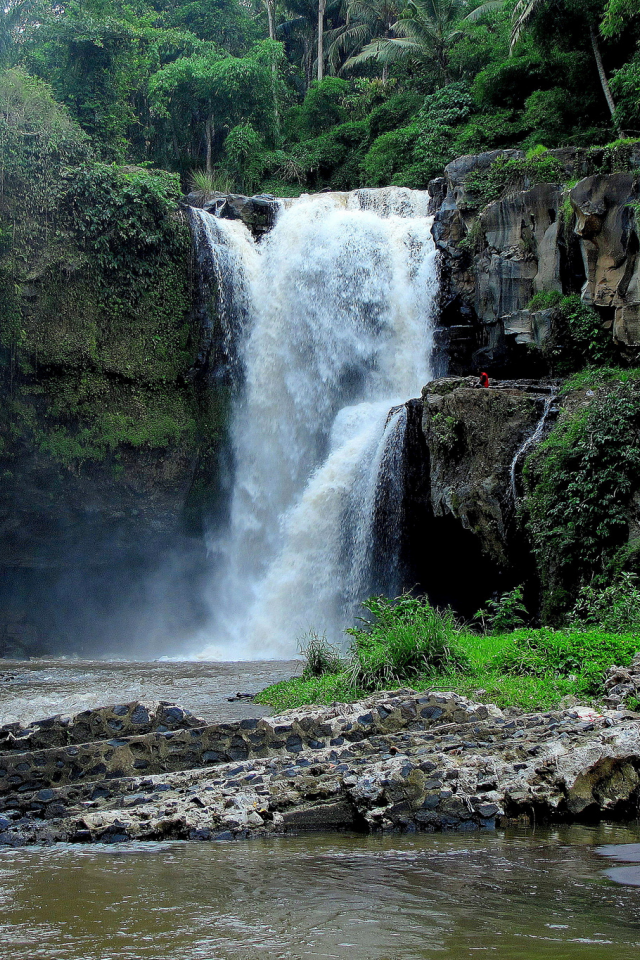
point(339, 311)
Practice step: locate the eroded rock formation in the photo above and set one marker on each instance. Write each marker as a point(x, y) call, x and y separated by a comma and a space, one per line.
point(546, 237)
point(395, 761)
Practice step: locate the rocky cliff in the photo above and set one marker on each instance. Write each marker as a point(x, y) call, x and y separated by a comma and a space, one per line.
point(509, 228)
point(103, 419)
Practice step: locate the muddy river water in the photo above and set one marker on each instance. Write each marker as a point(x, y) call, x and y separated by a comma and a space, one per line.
point(570, 893)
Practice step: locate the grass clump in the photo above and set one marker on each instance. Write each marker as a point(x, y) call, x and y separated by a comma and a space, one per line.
point(320, 656)
point(402, 639)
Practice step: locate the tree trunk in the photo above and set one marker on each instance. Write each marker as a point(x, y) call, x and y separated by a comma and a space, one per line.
point(271, 17)
point(322, 4)
point(603, 79)
point(208, 132)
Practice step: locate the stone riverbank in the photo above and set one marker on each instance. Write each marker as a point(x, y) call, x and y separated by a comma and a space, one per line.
point(397, 760)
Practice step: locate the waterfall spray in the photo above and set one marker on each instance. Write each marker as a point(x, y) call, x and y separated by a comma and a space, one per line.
point(333, 313)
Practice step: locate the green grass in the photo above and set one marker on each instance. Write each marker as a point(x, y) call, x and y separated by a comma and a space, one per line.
point(526, 668)
point(594, 377)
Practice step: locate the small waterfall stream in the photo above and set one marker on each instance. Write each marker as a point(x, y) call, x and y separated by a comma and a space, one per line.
point(531, 441)
point(331, 315)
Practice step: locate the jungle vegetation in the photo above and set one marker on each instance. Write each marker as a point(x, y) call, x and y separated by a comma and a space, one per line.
point(286, 95)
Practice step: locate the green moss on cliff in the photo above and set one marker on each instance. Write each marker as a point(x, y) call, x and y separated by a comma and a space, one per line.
point(95, 331)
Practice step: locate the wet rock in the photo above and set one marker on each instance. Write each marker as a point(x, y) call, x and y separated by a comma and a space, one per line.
point(473, 436)
point(95, 725)
point(258, 213)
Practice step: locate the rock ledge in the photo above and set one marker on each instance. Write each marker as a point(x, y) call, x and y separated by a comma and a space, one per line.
point(397, 760)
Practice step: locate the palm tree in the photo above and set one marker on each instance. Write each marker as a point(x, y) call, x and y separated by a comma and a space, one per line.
point(364, 21)
point(425, 31)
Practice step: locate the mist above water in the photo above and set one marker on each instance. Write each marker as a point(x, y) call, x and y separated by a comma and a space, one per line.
point(328, 327)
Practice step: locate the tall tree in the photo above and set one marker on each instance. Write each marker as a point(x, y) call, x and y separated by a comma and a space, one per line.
point(322, 6)
point(524, 13)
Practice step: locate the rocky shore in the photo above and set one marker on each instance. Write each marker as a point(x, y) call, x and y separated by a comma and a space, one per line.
point(397, 760)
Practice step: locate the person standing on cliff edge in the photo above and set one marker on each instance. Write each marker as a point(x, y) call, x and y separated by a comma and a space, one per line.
point(484, 380)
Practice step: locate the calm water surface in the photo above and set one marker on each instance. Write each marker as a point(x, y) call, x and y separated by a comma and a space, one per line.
point(512, 896)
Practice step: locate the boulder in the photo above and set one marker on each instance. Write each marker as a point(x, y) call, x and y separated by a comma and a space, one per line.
point(258, 213)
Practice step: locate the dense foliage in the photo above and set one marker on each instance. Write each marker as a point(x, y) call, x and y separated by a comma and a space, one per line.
point(390, 90)
point(581, 481)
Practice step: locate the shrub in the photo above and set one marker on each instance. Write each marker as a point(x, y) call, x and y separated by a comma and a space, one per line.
point(578, 338)
point(394, 113)
point(244, 149)
point(506, 613)
point(390, 153)
point(322, 108)
point(545, 300)
point(324, 155)
point(406, 637)
point(506, 176)
point(615, 608)
point(583, 655)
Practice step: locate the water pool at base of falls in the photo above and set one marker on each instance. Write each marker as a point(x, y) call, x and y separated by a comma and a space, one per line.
point(538, 895)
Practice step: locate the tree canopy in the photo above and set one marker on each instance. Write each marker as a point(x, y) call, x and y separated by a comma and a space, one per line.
point(287, 95)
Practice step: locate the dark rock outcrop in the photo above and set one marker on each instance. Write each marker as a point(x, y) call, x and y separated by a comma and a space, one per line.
point(395, 761)
point(543, 238)
point(464, 541)
point(473, 436)
point(258, 213)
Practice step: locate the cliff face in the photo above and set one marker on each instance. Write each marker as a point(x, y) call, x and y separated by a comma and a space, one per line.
point(576, 235)
point(465, 541)
point(103, 416)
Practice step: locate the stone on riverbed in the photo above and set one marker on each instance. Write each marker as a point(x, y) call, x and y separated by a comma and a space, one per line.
point(397, 760)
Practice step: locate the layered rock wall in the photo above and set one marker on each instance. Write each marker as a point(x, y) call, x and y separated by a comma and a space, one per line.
point(574, 236)
point(395, 761)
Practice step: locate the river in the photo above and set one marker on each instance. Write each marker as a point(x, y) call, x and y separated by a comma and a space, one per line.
point(539, 895)
point(34, 689)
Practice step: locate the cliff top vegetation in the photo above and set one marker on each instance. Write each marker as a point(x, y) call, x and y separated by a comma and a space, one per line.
point(291, 95)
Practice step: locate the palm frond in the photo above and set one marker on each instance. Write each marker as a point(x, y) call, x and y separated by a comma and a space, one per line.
point(489, 7)
point(523, 12)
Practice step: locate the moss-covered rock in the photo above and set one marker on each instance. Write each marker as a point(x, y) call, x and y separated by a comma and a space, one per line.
point(104, 414)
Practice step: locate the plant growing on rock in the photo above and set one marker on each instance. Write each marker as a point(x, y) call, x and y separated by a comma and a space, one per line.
point(505, 613)
point(580, 481)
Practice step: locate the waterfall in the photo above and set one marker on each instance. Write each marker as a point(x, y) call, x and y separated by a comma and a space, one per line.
point(332, 319)
point(531, 441)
